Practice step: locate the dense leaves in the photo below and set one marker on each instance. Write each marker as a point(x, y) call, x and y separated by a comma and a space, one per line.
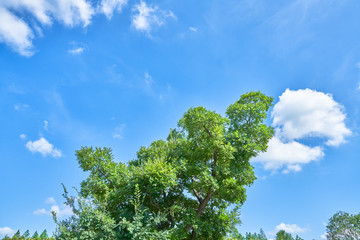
point(343, 226)
point(189, 186)
point(26, 236)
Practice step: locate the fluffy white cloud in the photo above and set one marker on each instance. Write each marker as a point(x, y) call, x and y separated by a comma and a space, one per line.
point(323, 236)
point(302, 114)
point(289, 228)
point(15, 33)
point(308, 113)
point(6, 231)
point(145, 17)
point(109, 6)
point(61, 211)
point(23, 136)
point(290, 155)
point(43, 147)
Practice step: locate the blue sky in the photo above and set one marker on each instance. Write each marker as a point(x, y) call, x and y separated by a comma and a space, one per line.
point(120, 73)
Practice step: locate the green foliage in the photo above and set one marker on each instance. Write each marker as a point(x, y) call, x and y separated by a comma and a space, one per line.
point(26, 236)
point(249, 236)
point(36, 235)
point(343, 226)
point(186, 183)
point(282, 235)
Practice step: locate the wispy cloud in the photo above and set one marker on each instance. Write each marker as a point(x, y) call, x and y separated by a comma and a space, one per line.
point(119, 131)
point(76, 51)
point(15, 33)
point(18, 32)
point(77, 48)
point(292, 25)
point(46, 125)
point(61, 211)
point(193, 29)
point(43, 147)
point(109, 6)
point(21, 107)
point(145, 17)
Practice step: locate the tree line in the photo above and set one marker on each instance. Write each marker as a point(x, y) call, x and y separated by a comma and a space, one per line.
point(26, 236)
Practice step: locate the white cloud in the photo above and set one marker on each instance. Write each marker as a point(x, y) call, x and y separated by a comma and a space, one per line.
point(18, 34)
point(109, 6)
point(145, 17)
point(61, 211)
point(21, 107)
point(7, 231)
point(302, 114)
point(76, 51)
point(323, 236)
point(119, 131)
point(193, 29)
point(308, 113)
point(72, 12)
point(148, 79)
point(46, 125)
point(50, 200)
point(23, 136)
point(289, 228)
point(43, 147)
point(15, 33)
point(290, 155)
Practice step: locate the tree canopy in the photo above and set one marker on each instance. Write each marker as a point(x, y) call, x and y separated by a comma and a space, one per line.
point(189, 186)
point(343, 226)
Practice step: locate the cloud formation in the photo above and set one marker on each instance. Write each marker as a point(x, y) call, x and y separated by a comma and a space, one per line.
point(290, 155)
point(18, 32)
point(308, 113)
point(109, 6)
point(15, 33)
point(289, 228)
point(300, 115)
point(119, 131)
point(6, 231)
point(61, 211)
point(146, 17)
point(43, 147)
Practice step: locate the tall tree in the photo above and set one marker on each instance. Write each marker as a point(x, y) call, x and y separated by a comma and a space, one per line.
point(191, 179)
point(343, 226)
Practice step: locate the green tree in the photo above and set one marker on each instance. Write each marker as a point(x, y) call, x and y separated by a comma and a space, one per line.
point(282, 235)
point(193, 183)
point(343, 226)
point(17, 236)
point(35, 235)
point(44, 235)
point(26, 234)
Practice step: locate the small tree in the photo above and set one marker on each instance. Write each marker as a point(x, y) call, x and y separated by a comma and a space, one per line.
point(26, 234)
